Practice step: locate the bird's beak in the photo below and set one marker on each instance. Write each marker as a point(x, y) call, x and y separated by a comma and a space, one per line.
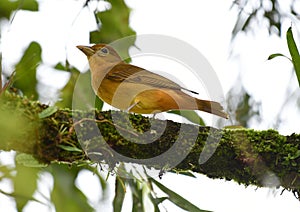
point(88, 51)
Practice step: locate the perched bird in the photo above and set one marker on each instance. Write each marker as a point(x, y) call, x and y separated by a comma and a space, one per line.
point(131, 88)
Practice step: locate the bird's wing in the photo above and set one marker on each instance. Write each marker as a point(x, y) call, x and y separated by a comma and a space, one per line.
point(134, 74)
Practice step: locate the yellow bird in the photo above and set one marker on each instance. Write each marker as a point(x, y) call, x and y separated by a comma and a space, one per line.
point(131, 88)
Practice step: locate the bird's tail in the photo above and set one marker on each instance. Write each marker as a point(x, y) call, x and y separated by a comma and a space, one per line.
point(211, 107)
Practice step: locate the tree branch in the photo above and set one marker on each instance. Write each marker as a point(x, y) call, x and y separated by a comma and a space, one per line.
point(261, 158)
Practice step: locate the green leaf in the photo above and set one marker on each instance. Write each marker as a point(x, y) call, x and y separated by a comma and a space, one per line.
point(60, 66)
point(47, 112)
point(103, 182)
point(65, 195)
point(297, 155)
point(177, 199)
point(25, 184)
point(28, 160)
point(25, 76)
point(11, 121)
point(8, 6)
point(17, 196)
point(156, 201)
point(186, 173)
point(67, 91)
point(190, 115)
point(137, 195)
point(6, 171)
point(119, 194)
point(78, 92)
point(30, 5)
point(69, 148)
point(245, 109)
point(272, 56)
point(114, 25)
point(294, 52)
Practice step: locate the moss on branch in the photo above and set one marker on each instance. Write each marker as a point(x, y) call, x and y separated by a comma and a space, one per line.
point(262, 158)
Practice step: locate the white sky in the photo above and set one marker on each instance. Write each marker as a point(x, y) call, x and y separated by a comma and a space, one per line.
point(207, 26)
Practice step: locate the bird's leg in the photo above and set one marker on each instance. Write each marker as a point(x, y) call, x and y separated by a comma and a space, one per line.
point(131, 106)
point(154, 114)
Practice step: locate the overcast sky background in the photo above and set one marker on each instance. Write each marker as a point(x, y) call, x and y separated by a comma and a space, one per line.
point(207, 26)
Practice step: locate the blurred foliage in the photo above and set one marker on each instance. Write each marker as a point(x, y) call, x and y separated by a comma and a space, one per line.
point(24, 191)
point(254, 13)
point(136, 188)
point(65, 195)
point(28, 160)
point(67, 91)
point(120, 191)
point(25, 71)
point(17, 123)
point(7, 7)
point(241, 106)
point(244, 111)
point(83, 96)
point(10, 121)
point(117, 15)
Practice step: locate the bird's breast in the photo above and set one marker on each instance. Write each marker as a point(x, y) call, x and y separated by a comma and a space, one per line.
point(119, 94)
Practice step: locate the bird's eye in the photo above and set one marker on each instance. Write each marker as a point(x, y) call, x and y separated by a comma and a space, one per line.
point(103, 51)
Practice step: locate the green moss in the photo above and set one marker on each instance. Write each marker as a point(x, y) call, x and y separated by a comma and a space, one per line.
point(242, 155)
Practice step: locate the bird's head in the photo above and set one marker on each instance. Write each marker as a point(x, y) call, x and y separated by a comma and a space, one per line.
point(102, 52)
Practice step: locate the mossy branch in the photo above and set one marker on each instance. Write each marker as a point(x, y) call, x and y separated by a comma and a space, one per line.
point(262, 158)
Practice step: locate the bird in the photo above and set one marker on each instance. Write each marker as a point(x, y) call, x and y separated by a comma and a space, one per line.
point(135, 89)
